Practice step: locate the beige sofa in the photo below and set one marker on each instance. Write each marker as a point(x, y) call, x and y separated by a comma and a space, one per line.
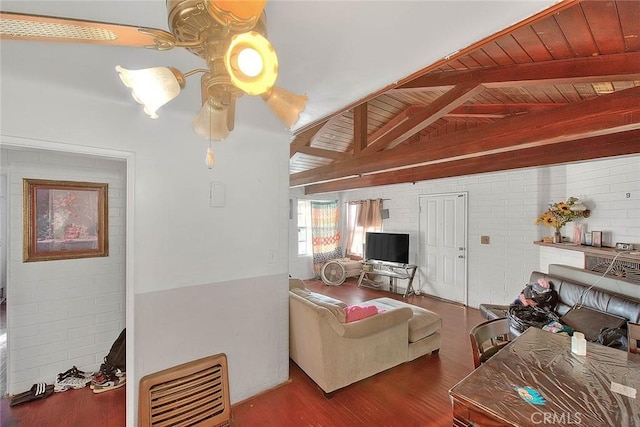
point(335, 353)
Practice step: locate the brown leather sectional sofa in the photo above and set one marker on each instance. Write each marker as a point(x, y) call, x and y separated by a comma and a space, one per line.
point(600, 307)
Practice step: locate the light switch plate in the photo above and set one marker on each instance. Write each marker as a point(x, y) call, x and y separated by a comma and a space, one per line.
point(216, 194)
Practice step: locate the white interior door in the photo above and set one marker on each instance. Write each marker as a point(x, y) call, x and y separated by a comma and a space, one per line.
point(442, 239)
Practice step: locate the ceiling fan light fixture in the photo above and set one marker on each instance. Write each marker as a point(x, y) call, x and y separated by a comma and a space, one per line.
point(251, 62)
point(287, 105)
point(214, 123)
point(152, 87)
point(238, 15)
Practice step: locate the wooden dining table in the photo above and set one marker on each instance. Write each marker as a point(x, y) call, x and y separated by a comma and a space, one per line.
point(537, 381)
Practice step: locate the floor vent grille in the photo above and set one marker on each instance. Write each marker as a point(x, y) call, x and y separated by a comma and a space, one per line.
point(192, 394)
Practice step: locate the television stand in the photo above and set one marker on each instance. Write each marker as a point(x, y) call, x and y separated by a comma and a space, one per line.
point(392, 270)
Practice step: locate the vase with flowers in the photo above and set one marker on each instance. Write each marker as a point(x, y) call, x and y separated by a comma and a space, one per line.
point(557, 216)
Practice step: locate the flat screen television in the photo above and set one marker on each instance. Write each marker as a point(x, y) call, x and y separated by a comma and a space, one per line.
point(389, 247)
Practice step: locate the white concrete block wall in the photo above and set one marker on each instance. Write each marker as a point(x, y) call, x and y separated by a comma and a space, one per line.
point(552, 255)
point(604, 185)
point(501, 205)
point(66, 312)
point(505, 205)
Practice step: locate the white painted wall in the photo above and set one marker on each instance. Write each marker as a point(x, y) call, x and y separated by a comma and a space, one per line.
point(504, 206)
point(3, 228)
point(180, 241)
point(247, 319)
point(68, 312)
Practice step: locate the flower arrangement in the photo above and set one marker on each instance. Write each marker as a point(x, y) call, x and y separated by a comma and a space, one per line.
point(558, 214)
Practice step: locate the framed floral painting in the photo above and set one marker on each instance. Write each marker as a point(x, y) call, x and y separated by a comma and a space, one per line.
point(64, 220)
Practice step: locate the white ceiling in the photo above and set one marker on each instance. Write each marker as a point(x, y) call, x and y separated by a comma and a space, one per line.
point(336, 52)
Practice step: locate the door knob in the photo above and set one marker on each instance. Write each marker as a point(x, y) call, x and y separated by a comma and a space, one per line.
point(461, 249)
point(460, 256)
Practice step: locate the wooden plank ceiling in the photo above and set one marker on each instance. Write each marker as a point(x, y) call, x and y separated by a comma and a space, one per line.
point(561, 87)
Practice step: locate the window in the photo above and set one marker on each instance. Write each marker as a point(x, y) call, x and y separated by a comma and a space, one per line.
point(304, 228)
point(356, 248)
point(363, 216)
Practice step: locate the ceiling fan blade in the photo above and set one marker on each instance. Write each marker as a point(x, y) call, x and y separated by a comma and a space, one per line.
point(19, 26)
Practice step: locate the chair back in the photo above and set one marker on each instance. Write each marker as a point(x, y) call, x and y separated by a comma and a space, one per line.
point(489, 337)
point(633, 335)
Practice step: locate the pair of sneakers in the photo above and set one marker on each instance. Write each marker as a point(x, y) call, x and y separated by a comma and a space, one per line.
point(108, 378)
point(73, 378)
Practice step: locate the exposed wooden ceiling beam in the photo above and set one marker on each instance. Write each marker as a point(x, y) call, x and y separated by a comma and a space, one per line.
point(540, 16)
point(455, 97)
point(394, 122)
point(616, 112)
point(578, 150)
point(499, 110)
point(320, 152)
point(304, 138)
point(570, 71)
point(360, 119)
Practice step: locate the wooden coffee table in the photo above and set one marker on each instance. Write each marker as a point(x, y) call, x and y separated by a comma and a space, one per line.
point(591, 390)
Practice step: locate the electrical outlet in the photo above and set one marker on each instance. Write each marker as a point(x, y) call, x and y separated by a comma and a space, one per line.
point(484, 240)
point(623, 246)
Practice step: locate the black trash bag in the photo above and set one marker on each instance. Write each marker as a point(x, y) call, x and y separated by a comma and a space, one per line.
point(613, 337)
point(522, 317)
point(117, 356)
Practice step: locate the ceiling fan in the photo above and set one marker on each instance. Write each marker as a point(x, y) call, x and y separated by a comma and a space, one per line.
point(230, 35)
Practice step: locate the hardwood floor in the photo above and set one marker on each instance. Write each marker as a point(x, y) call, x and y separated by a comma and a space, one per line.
point(412, 394)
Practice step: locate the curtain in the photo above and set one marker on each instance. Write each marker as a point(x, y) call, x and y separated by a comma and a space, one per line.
point(363, 216)
point(325, 237)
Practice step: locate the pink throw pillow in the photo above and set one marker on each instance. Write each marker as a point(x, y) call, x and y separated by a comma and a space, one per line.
point(358, 312)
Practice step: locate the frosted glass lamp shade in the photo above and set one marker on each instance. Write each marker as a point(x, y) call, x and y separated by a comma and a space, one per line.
point(578, 207)
point(214, 124)
point(287, 105)
point(152, 87)
point(251, 62)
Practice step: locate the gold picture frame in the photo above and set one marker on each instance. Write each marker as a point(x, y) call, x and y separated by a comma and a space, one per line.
point(64, 220)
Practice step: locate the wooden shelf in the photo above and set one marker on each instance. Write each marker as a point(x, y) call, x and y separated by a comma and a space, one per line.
point(618, 264)
point(592, 250)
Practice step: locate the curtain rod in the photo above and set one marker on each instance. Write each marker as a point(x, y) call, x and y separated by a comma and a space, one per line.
point(359, 201)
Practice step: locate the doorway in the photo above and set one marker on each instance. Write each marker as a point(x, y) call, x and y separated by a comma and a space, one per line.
point(442, 241)
point(3, 236)
point(124, 224)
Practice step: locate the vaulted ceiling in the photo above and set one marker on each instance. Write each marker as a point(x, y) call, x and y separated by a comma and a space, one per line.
point(561, 87)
